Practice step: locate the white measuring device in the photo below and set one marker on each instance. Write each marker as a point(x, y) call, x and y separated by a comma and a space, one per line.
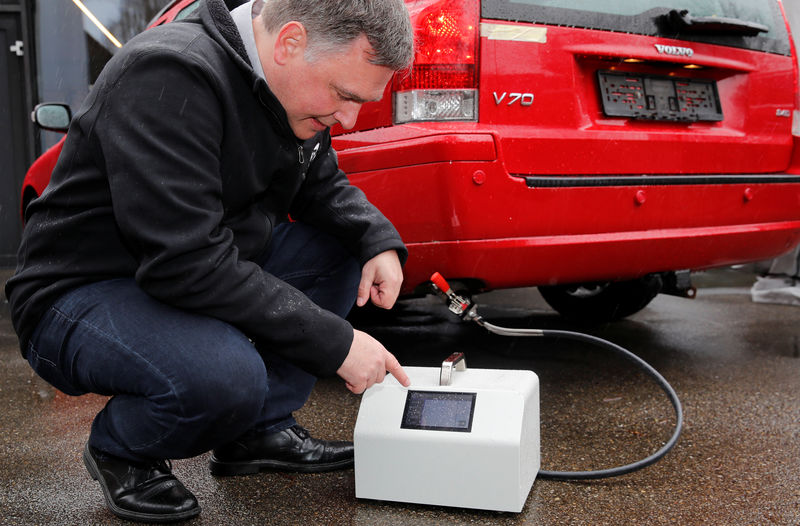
point(459, 437)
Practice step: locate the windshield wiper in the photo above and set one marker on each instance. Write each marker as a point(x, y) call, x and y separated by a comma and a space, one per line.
point(684, 22)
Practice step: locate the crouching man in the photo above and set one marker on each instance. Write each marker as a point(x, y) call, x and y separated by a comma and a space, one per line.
point(160, 266)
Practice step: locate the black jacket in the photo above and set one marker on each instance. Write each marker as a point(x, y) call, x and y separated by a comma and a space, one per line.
point(175, 170)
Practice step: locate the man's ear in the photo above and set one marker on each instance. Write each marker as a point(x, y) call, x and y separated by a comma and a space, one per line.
point(290, 43)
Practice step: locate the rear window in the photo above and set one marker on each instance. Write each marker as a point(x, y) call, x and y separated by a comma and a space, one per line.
point(749, 24)
point(186, 11)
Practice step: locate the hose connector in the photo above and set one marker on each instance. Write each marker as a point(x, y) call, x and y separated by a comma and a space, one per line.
point(458, 305)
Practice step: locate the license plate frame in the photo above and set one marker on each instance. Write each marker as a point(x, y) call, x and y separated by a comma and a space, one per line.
point(660, 98)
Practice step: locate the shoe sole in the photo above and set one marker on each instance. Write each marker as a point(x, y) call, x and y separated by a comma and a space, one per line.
point(94, 472)
point(224, 469)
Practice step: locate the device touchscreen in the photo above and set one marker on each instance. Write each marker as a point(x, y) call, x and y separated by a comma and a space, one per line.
point(439, 410)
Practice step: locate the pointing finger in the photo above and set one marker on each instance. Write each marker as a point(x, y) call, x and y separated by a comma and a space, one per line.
point(396, 370)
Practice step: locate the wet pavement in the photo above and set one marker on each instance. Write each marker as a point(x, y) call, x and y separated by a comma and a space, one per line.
point(734, 364)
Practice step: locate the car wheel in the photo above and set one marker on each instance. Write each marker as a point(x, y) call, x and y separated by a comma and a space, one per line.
point(602, 301)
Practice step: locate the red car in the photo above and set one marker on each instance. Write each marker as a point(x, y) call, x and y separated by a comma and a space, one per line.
point(600, 153)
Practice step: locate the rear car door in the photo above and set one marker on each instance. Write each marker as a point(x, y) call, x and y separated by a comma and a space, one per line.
point(639, 87)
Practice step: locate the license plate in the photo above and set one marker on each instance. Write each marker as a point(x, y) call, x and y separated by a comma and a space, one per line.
point(653, 97)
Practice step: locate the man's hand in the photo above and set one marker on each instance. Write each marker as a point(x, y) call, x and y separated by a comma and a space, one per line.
point(367, 363)
point(381, 278)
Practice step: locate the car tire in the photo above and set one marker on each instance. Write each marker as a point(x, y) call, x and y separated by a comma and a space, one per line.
point(602, 301)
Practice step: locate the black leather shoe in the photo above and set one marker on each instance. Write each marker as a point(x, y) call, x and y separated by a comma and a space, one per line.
point(140, 492)
point(292, 449)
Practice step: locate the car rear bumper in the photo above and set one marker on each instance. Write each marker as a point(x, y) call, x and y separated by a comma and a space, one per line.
point(545, 260)
point(461, 213)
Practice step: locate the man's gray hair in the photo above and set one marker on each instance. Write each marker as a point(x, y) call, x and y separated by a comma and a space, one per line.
point(333, 24)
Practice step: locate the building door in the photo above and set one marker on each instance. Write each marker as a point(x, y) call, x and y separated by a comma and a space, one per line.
point(14, 131)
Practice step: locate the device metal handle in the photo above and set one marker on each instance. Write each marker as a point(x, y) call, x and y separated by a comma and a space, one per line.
point(454, 361)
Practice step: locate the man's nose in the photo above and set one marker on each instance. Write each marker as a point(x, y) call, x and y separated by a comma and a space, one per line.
point(348, 114)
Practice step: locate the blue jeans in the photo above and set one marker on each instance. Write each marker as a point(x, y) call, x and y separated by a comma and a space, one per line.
point(182, 383)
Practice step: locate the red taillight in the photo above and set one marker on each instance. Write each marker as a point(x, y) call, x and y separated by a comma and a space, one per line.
point(443, 82)
point(446, 46)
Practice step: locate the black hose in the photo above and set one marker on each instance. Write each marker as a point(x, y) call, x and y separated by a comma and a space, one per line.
point(673, 398)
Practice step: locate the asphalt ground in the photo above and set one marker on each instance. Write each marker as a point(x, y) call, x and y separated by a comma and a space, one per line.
point(734, 364)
